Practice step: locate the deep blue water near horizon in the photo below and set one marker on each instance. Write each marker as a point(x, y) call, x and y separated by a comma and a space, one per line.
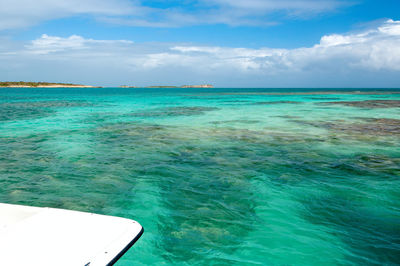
point(215, 176)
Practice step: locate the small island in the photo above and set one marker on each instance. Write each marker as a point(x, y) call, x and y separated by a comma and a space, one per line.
point(28, 84)
point(198, 86)
point(167, 86)
point(23, 84)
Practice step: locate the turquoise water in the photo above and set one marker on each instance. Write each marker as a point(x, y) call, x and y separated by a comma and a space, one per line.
point(221, 177)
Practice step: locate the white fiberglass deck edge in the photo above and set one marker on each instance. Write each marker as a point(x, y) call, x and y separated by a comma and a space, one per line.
point(47, 236)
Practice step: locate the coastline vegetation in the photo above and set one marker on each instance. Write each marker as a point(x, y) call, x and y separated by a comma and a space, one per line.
point(57, 84)
point(32, 84)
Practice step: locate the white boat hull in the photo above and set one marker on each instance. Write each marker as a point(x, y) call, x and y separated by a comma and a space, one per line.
point(47, 236)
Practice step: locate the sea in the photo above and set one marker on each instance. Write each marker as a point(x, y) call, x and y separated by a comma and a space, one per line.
point(223, 176)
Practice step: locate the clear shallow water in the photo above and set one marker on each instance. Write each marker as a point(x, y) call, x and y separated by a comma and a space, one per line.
point(243, 178)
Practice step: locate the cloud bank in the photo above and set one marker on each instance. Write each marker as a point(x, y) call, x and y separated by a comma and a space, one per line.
point(26, 13)
point(363, 59)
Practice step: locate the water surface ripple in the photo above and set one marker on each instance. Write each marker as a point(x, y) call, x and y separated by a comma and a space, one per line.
point(225, 177)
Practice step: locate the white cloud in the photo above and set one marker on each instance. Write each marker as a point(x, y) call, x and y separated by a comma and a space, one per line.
point(50, 44)
point(368, 58)
point(374, 49)
point(25, 13)
point(390, 28)
point(47, 44)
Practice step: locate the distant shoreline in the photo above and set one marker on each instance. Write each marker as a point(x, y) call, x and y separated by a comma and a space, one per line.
point(51, 86)
point(23, 84)
point(218, 90)
point(205, 86)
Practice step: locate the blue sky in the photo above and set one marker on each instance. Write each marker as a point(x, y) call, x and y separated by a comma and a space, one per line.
point(259, 43)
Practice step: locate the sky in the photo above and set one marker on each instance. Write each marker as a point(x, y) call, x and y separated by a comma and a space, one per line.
point(227, 43)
